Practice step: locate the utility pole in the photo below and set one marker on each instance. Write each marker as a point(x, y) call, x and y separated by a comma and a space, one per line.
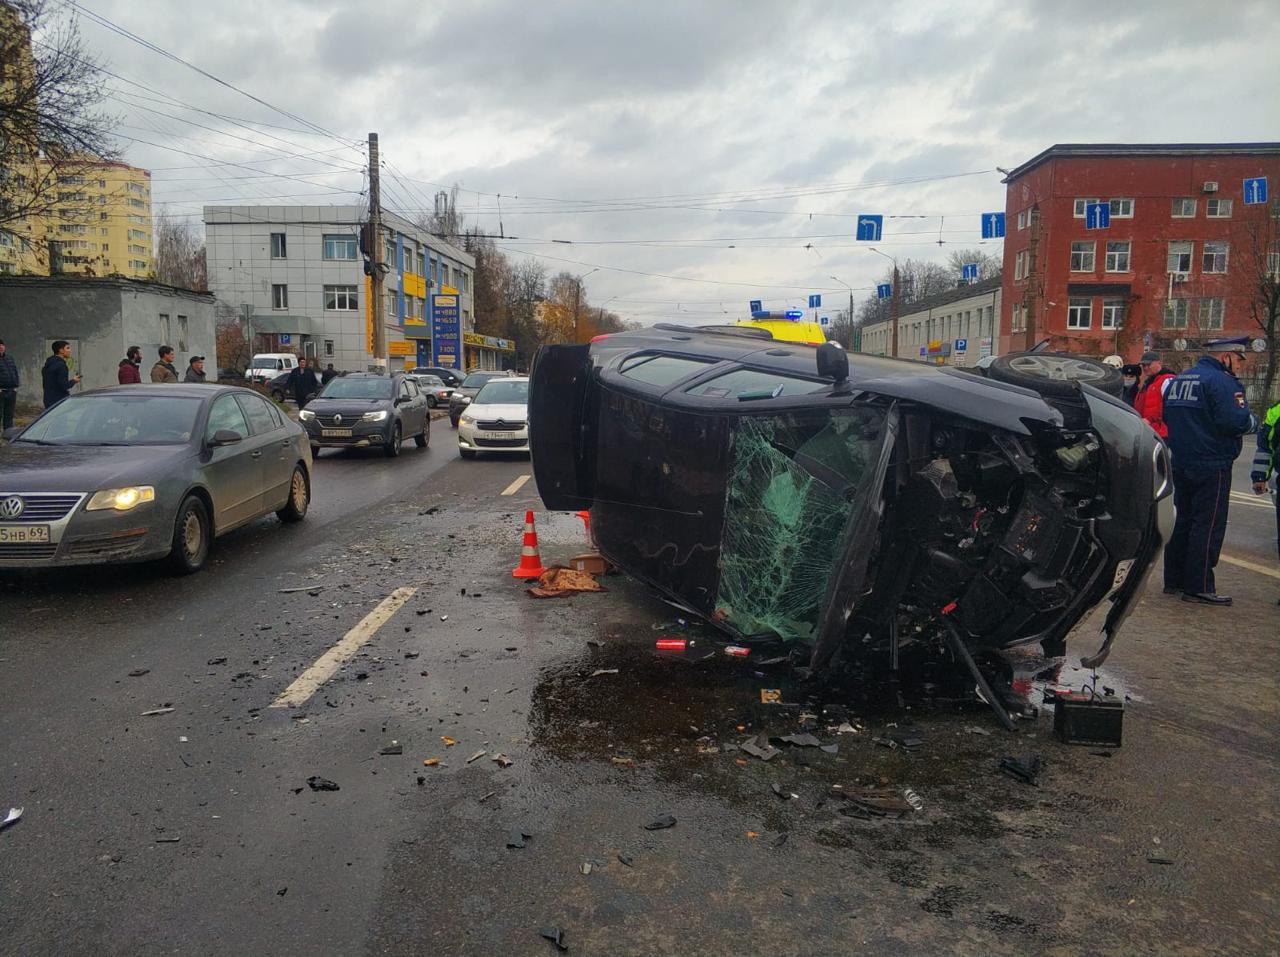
point(893, 310)
point(378, 306)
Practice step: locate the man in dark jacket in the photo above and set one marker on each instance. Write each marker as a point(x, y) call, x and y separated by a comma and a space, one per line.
point(9, 383)
point(1129, 376)
point(56, 375)
point(1206, 414)
point(163, 371)
point(195, 370)
point(303, 382)
point(328, 374)
point(129, 374)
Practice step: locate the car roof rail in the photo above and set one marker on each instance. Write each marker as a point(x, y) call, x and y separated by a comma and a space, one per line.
point(749, 332)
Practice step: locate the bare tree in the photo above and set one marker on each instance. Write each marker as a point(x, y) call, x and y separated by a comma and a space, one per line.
point(52, 129)
point(918, 280)
point(1257, 239)
point(180, 254)
point(989, 265)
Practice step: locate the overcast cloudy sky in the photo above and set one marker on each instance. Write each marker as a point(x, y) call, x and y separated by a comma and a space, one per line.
point(742, 137)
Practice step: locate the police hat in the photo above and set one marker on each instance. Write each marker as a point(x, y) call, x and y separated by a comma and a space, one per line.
point(1232, 344)
point(1132, 369)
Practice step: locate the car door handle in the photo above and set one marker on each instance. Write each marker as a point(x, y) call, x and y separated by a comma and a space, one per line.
point(284, 444)
point(256, 454)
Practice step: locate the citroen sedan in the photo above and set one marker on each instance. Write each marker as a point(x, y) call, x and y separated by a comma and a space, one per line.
point(142, 472)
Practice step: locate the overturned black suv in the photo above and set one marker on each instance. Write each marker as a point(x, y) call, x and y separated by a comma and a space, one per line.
point(853, 503)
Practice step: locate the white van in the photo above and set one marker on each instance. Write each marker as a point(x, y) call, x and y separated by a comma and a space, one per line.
point(267, 365)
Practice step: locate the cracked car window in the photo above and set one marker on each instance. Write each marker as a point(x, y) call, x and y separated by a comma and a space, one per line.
point(751, 383)
point(793, 486)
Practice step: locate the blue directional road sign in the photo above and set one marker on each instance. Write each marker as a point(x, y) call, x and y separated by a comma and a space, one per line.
point(924, 351)
point(884, 290)
point(824, 321)
point(794, 313)
point(992, 225)
point(969, 272)
point(1255, 191)
point(286, 338)
point(755, 306)
point(815, 301)
point(869, 228)
point(962, 345)
point(1097, 216)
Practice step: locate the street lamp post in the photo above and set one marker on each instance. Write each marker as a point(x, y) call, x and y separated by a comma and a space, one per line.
point(850, 288)
point(893, 304)
point(577, 301)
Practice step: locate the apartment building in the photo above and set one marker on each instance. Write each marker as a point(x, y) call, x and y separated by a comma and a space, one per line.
point(1174, 255)
point(296, 276)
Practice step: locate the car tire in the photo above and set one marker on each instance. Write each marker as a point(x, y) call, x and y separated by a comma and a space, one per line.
point(192, 537)
point(1055, 373)
point(467, 453)
point(432, 402)
point(277, 395)
point(423, 438)
point(315, 451)
point(392, 448)
point(295, 509)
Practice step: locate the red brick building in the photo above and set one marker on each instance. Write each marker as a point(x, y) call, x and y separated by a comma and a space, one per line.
point(1182, 259)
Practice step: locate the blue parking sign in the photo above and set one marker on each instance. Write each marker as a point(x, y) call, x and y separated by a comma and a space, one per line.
point(962, 345)
point(870, 228)
point(1255, 190)
point(992, 225)
point(755, 306)
point(286, 339)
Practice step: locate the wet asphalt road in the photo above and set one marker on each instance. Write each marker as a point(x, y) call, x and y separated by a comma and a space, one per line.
point(1169, 845)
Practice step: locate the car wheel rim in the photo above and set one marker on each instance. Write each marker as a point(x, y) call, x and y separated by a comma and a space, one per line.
point(299, 491)
point(1054, 367)
point(192, 535)
point(395, 439)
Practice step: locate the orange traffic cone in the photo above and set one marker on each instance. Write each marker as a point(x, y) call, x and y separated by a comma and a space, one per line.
point(530, 562)
point(586, 525)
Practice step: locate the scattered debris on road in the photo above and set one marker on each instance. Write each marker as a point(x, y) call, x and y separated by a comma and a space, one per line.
point(1025, 769)
point(603, 671)
point(759, 747)
point(306, 588)
point(557, 581)
point(430, 762)
point(395, 747)
point(517, 836)
point(156, 711)
point(317, 783)
point(448, 741)
point(11, 818)
point(139, 672)
point(626, 860)
point(556, 936)
point(220, 660)
point(477, 756)
point(502, 760)
point(661, 823)
point(770, 696)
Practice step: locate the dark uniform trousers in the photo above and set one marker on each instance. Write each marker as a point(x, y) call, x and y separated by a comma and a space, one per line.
point(1201, 498)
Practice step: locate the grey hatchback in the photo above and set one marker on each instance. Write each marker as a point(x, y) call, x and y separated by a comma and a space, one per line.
point(140, 472)
point(366, 410)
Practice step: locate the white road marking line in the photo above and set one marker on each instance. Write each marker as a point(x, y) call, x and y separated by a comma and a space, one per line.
point(327, 664)
point(515, 486)
point(1252, 566)
point(1239, 498)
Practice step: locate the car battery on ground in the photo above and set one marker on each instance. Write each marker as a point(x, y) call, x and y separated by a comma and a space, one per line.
point(1080, 717)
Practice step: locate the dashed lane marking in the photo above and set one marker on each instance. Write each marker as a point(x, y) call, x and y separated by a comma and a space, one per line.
point(1251, 566)
point(1240, 498)
point(328, 664)
point(515, 486)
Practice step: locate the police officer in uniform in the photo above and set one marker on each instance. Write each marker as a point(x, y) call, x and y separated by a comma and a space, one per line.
point(1207, 415)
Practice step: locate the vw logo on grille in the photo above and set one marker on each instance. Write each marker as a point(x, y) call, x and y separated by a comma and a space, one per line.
point(12, 507)
point(337, 420)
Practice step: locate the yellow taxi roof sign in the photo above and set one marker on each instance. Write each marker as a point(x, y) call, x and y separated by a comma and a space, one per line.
point(788, 330)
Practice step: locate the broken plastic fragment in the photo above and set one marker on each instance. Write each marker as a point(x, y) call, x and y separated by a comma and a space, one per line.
point(11, 817)
point(448, 741)
point(661, 822)
point(802, 740)
point(1026, 769)
point(736, 651)
point(502, 761)
point(155, 711)
point(670, 644)
point(603, 671)
point(556, 936)
point(762, 750)
point(317, 783)
point(395, 747)
point(585, 867)
point(430, 762)
point(517, 836)
point(139, 672)
point(476, 757)
point(626, 860)
point(770, 696)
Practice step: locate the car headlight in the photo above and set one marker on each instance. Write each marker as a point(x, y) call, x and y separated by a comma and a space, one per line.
point(378, 416)
point(306, 416)
point(467, 419)
point(121, 499)
point(464, 399)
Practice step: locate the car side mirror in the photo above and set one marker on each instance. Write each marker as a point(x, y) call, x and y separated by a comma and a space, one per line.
point(224, 437)
point(833, 363)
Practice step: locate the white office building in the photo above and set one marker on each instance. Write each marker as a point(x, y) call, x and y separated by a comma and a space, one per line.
point(957, 327)
point(295, 275)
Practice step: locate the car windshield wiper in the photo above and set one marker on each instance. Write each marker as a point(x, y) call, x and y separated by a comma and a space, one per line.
point(37, 441)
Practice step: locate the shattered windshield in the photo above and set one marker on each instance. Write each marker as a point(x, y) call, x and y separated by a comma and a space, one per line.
point(793, 486)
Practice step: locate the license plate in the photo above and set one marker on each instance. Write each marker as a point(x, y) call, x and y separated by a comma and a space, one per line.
point(497, 435)
point(335, 433)
point(23, 534)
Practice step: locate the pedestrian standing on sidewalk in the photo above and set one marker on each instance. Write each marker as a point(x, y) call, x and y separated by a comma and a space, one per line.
point(1129, 376)
point(1264, 474)
point(163, 370)
point(195, 370)
point(1150, 399)
point(328, 374)
point(1207, 416)
point(56, 375)
point(128, 373)
point(303, 382)
point(9, 382)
